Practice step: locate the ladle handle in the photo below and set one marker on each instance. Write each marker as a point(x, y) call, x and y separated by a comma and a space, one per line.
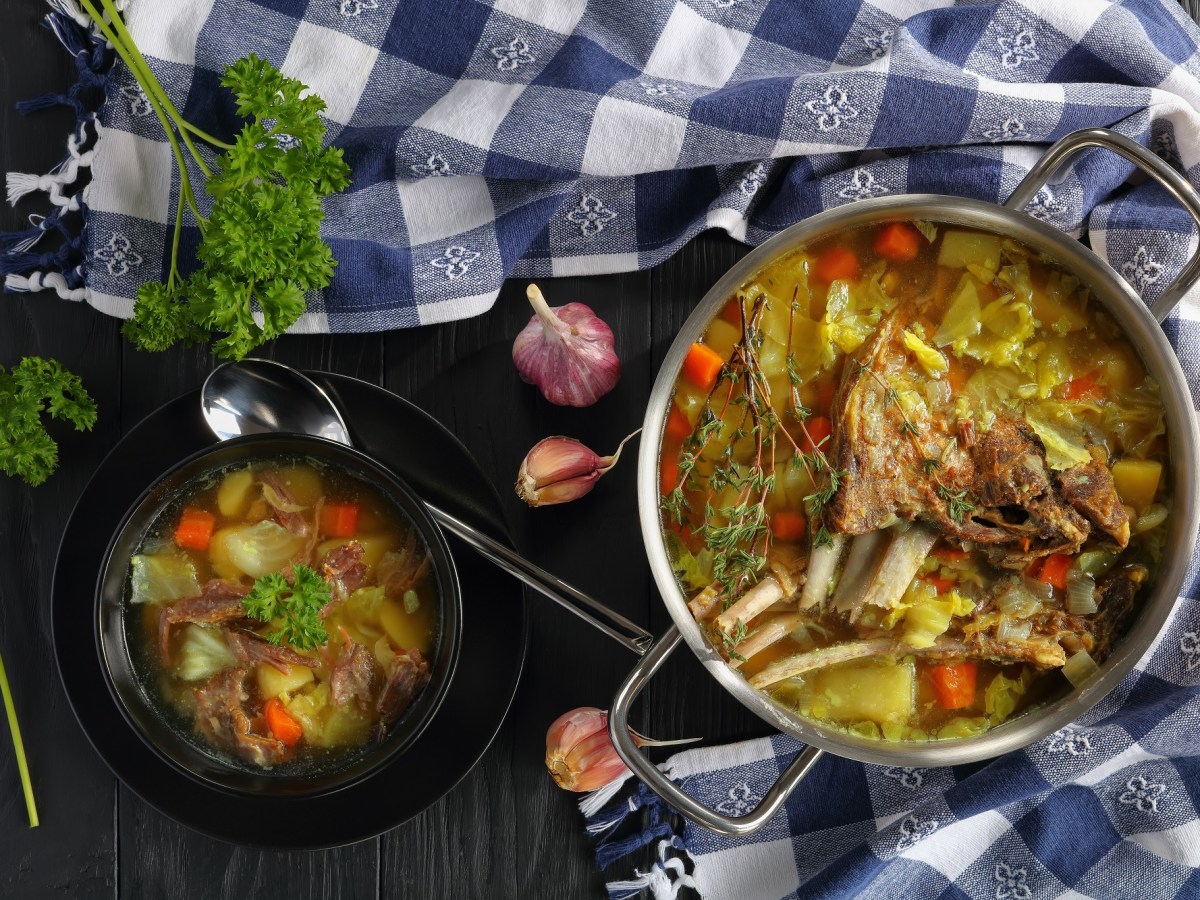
point(668, 790)
point(595, 613)
point(1170, 180)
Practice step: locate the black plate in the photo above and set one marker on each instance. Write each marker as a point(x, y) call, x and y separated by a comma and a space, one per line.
point(420, 450)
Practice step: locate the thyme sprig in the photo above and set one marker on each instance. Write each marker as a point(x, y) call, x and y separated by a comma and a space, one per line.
point(739, 533)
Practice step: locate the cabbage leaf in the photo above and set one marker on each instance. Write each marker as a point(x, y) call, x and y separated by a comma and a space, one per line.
point(162, 578)
point(203, 653)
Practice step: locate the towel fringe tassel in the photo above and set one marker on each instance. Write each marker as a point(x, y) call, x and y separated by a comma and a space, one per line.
point(664, 879)
point(60, 269)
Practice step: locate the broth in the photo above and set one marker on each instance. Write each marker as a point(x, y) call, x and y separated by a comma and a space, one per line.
point(912, 476)
point(282, 613)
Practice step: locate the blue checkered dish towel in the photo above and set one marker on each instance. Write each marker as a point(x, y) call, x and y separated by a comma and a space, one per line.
point(535, 138)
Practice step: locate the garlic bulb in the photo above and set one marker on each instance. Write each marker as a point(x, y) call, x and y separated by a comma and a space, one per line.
point(580, 754)
point(559, 469)
point(567, 352)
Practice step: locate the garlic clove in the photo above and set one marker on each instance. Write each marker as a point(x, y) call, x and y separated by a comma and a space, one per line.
point(560, 469)
point(580, 754)
point(567, 351)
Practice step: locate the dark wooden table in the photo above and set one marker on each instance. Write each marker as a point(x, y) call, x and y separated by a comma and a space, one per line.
point(506, 830)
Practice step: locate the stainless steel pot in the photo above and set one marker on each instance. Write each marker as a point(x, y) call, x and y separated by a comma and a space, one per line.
point(1140, 325)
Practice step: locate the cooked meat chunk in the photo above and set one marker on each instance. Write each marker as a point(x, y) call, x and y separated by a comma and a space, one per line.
point(354, 675)
point(1117, 604)
point(401, 570)
point(221, 715)
point(1089, 488)
point(287, 510)
point(219, 601)
point(995, 489)
point(407, 673)
point(249, 648)
point(344, 572)
point(1010, 470)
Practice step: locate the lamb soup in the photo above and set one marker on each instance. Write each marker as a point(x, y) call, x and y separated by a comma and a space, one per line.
point(913, 481)
point(283, 613)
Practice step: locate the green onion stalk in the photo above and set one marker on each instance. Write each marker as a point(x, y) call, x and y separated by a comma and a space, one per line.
point(18, 747)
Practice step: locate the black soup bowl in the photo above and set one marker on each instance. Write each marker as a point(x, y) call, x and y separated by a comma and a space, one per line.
point(118, 633)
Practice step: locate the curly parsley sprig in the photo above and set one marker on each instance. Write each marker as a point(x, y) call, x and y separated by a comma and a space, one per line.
point(294, 608)
point(260, 248)
point(32, 387)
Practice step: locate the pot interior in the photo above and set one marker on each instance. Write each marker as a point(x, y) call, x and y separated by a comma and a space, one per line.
point(131, 665)
point(1150, 344)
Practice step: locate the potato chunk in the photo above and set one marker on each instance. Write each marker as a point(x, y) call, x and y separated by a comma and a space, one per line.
point(234, 494)
point(1136, 480)
point(878, 692)
point(273, 683)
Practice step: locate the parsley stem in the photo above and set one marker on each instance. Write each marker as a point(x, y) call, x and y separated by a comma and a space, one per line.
point(145, 76)
point(18, 747)
point(174, 272)
point(185, 181)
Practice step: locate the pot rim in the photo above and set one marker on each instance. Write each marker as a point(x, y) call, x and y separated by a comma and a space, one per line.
point(1148, 340)
point(212, 772)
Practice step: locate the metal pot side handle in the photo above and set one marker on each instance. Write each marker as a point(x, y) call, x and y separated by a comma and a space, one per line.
point(664, 787)
point(1172, 182)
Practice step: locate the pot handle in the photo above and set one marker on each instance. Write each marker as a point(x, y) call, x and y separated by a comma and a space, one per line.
point(618, 729)
point(1145, 161)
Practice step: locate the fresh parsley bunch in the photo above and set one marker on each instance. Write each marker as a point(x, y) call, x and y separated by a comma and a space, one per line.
point(296, 608)
point(32, 387)
point(261, 247)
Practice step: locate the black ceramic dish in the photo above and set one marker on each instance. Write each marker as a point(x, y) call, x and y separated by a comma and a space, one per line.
point(418, 449)
point(177, 742)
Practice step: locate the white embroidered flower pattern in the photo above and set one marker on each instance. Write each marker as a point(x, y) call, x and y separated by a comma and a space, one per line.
point(913, 831)
point(455, 262)
point(1068, 740)
point(1045, 205)
point(660, 90)
point(879, 42)
point(286, 141)
point(118, 255)
point(591, 215)
point(433, 167)
point(1143, 270)
point(1011, 129)
point(1141, 793)
point(832, 109)
point(753, 179)
point(352, 9)
point(1189, 646)
point(139, 103)
point(861, 186)
point(1019, 47)
point(908, 777)
point(512, 57)
point(724, 4)
point(1011, 883)
point(740, 801)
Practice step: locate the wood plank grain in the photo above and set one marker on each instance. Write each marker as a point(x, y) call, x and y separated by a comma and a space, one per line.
point(161, 858)
point(526, 836)
point(72, 853)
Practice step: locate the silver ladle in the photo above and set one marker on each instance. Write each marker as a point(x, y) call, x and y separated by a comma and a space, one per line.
point(256, 396)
